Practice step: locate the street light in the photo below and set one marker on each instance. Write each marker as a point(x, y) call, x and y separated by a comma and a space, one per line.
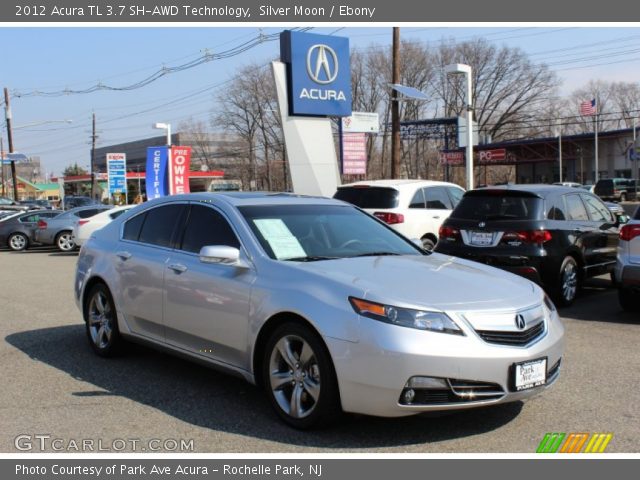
point(462, 69)
point(164, 126)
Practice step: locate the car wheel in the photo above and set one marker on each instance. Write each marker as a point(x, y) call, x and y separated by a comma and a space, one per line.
point(568, 282)
point(299, 377)
point(629, 301)
point(18, 242)
point(428, 244)
point(623, 197)
point(101, 322)
point(64, 242)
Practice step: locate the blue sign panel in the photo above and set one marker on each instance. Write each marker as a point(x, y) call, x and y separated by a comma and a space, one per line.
point(318, 73)
point(117, 172)
point(156, 175)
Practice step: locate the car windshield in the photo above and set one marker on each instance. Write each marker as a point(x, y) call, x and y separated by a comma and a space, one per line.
point(368, 197)
point(497, 207)
point(322, 232)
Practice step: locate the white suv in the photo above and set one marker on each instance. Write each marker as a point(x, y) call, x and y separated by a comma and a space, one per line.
point(627, 270)
point(415, 208)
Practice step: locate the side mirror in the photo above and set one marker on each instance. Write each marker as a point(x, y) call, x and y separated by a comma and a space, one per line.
point(221, 254)
point(622, 219)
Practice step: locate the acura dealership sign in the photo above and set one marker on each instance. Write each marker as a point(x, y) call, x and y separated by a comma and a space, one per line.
point(319, 73)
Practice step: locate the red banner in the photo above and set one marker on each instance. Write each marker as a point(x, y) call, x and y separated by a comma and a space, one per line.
point(354, 153)
point(179, 170)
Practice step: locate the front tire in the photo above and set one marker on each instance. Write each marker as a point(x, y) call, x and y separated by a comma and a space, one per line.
point(428, 244)
point(64, 241)
point(101, 322)
point(18, 242)
point(299, 377)
point(568, 282)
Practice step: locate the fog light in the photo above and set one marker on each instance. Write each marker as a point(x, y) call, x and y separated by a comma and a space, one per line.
point(427, 382)
point(409, 395)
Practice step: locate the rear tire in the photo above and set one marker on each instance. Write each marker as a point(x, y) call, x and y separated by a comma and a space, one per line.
point(64, 241)
point(101, 322)
point(18, 242)
point(299, 377)
point(629, 300)
point(568, 282)
point(428, 244)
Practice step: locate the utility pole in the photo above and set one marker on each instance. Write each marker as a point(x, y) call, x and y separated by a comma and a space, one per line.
point(395, 106)
point(7, 107)
point(2, 162)
point(93, 156)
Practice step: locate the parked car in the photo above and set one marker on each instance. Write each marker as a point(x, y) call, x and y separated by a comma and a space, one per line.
point(84, 227)
point(7, 204)
point(568, 184)
point(627, 270)
point(554, 236)
point(37, 204)
point(323, 305)
point(74, 201)
point(58, 231)
point(616, 189)
point(414, 208)
point(17, 232)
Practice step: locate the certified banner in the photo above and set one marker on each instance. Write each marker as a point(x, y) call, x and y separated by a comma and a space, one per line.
point(156, 175)
point(179, 170)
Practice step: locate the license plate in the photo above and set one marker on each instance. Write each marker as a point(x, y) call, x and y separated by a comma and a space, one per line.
point(482, 239)
point(530, 374)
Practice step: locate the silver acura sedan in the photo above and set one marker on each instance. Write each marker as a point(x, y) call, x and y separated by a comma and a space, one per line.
point(321, 304)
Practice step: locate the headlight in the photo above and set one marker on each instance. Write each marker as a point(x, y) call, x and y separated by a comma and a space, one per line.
point(406, 317)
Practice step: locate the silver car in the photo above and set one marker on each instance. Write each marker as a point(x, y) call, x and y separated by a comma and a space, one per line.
point(321, 304)
point(627, 271)
point(58, 231)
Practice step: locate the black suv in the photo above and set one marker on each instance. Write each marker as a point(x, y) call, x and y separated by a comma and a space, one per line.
point(555, 236)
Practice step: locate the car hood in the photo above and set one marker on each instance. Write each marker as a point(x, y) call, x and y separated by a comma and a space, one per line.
point(429, 281)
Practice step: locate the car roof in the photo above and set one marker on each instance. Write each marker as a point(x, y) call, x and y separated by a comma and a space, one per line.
point(541, 190)
point(396, 183)
point(240, 199)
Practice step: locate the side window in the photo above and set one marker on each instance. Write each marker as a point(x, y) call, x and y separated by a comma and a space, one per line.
point(575, 208)
point(207, 227)
point(437, 198)
point(418, 200)
point(115, 215)
point(556, 209)
point(160, 223)
point(597, 210)
point(132, 227)
point(87, 213)
point(29, 219)
point(455, 194)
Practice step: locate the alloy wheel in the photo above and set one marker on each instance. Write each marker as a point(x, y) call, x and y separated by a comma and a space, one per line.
point(18, 242)
point(65, 242)
point(569, 281)
point(100, 320)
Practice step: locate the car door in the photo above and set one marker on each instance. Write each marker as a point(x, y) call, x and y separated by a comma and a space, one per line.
point(415, 221)
point(605, 248)
point(140, 262)
point(584, 233)
point(207, 304)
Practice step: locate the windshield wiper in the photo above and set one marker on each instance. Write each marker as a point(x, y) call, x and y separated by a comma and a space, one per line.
point(310, 258)
point(374, 254)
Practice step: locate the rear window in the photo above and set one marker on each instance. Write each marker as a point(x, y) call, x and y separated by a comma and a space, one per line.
point(368, 197)
point(498, 207)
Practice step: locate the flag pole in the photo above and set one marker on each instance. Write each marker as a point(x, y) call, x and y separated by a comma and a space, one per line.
point(595, 180)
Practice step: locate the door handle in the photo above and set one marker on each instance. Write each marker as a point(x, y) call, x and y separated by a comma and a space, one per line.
point(436, 217)
point(178, 267)
point(123, 255)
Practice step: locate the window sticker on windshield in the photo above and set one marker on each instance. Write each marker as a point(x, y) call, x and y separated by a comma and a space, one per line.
point(283, 243)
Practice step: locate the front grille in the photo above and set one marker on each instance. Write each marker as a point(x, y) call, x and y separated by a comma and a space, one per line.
point(518, 339)
point(460, 391)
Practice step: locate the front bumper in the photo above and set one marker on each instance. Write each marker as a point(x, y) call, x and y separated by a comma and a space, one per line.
point(628, 275)
point(372, 374)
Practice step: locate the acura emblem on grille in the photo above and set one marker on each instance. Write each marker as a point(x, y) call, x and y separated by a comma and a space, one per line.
point(520, 322)
point(481, 224)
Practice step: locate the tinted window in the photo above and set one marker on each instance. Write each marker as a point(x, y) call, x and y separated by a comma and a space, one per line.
point(437, 198)
point(132, 227)
point(498, 206)
point(30, 218)
point(455, 194)
point(159, 225)
point(90, 212)
point(556, 209)
point(207, 227)
point(598, 211)
point(418, 200)
point(575, 208)
point(369, 197)
point(115, 215)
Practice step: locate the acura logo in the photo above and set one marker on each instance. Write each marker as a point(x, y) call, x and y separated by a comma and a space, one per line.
point(520, 322)
point(322, 64)
point(481, 224)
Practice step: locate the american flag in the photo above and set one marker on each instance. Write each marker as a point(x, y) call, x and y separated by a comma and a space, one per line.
point(588, 107)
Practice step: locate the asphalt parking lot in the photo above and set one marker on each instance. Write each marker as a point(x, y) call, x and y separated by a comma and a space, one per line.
point(53, 384)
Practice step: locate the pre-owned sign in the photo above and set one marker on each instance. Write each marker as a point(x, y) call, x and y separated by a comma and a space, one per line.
point(318, 73)
point(179, 170)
